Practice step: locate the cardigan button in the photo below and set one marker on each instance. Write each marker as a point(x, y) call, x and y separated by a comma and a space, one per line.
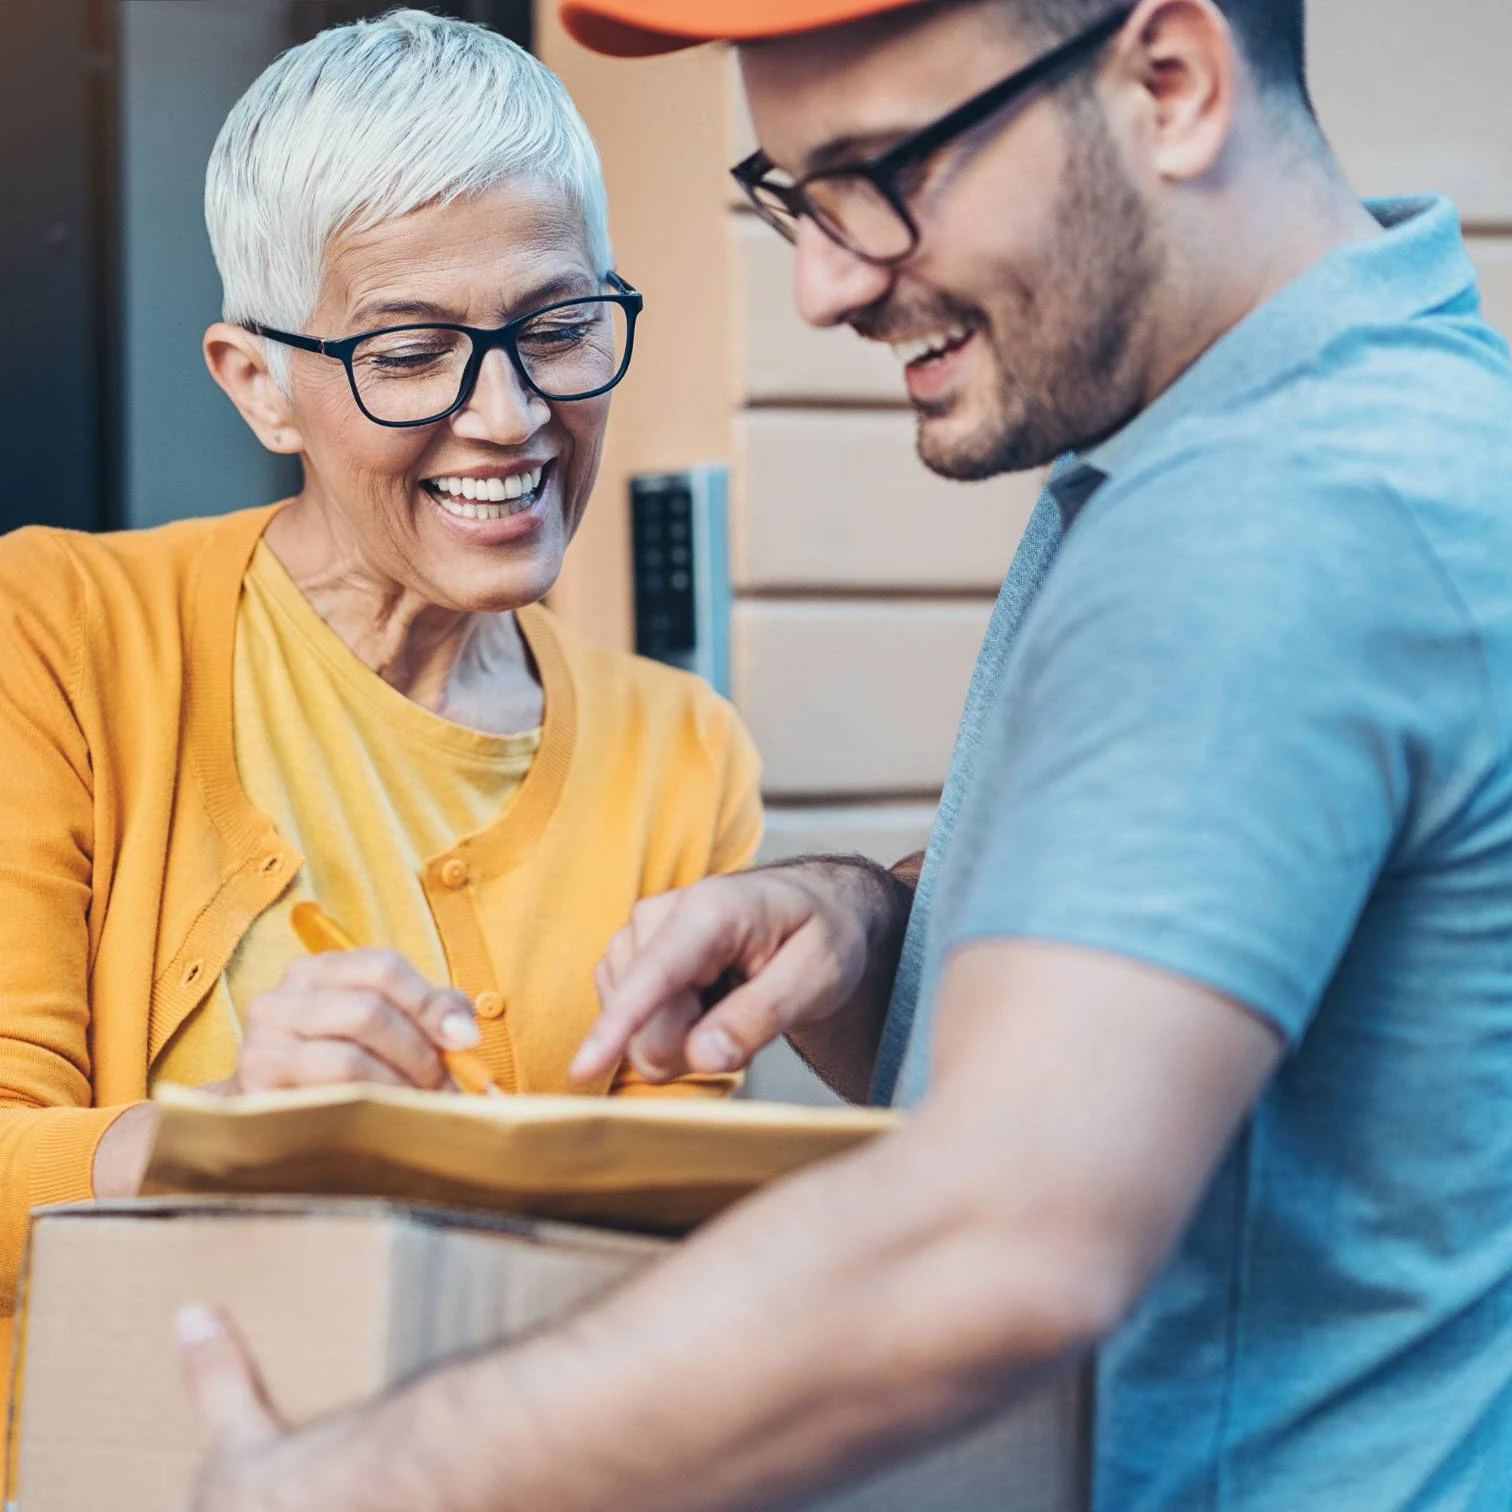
point(454, 874)
point(192, 973)
point(490, 1005)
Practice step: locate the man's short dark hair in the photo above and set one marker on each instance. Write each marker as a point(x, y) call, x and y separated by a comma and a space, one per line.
point(1271, 32)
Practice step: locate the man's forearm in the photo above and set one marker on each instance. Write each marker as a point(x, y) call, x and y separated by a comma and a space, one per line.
point(842, 1049)
point(855, 1312)
point(819, 1330)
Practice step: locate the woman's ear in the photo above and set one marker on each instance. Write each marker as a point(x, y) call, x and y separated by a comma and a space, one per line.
point(238, 363)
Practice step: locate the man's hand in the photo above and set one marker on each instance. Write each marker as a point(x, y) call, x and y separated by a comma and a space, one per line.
point(379, 1457)
point(811, 945)
point(240, 1472)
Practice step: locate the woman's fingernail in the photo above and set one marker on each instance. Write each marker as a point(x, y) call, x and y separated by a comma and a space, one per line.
point(459, 1031)
point(195, 1324)
point(716, 1051)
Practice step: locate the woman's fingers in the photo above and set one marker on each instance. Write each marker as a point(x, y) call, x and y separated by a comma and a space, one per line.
point(359, 1016)
point(353, 1016)
point(276, 1059)
point(445, 1014)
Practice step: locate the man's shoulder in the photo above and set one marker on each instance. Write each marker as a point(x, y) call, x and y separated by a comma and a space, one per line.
point(1242, 502)
point(1419, 408)
point(1252, 562)
point(1382, 480)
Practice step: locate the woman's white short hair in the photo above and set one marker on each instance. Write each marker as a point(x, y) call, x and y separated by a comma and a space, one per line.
point(368, 122)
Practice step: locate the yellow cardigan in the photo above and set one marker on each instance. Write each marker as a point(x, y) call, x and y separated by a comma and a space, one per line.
point(131, 861)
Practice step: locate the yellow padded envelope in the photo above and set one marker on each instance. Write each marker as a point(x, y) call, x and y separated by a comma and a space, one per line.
point(657, 1167)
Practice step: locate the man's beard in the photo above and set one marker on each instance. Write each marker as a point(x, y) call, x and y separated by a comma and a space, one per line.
point(1063, 349)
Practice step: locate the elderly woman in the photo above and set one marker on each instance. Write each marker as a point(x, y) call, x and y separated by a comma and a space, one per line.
point(354, 696)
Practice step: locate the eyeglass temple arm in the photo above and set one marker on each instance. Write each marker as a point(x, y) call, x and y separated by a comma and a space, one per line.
point(288, 338)
point(334, 348)
point(967, 115)
point(750, 172)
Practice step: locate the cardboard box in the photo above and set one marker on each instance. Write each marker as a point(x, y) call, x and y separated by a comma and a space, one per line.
point(338, 1300)
point(341, 1298)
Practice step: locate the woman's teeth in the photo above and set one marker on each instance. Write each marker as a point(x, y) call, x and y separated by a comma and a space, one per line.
point(486, 498)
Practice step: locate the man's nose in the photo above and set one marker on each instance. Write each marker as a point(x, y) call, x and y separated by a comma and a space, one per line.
point(501, 408)
point(829, 283)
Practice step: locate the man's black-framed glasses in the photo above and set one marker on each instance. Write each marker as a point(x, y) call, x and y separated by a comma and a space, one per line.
point(863, 206)
point(419, 374)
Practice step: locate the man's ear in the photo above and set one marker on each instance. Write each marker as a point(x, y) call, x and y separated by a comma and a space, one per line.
point(238, 363)
point(1183, 59)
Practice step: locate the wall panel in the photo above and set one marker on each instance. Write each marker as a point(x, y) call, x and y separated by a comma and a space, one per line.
point(855, 698)
point(1493, 260)
point(660, 126)
point(779, 1075)
point(1414, 97)
point(884, 832)
point(840, 499)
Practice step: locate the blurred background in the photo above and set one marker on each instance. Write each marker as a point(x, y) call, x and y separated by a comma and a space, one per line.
point(860, 585)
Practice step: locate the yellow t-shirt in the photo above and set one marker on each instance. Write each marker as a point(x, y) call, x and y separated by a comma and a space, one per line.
point(364, 781)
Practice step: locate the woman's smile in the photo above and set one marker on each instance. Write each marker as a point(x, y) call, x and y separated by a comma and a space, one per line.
point(493, 506)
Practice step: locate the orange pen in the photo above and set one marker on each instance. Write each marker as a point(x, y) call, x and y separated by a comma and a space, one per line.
point(318, 933)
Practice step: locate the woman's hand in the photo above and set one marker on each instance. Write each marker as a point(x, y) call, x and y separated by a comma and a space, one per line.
point(352, 1016)
point(811, 946)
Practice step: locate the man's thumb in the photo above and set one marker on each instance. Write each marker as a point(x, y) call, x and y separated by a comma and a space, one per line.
point(222, 1381)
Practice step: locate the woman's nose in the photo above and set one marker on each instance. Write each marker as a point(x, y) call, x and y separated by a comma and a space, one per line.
point(500, 408)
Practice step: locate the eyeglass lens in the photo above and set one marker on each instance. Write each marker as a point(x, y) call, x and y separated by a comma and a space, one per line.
point(418, 372)
point(849, 208)
point(852, 208)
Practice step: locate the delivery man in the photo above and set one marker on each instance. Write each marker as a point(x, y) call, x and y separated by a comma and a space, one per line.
point(1205, 1001)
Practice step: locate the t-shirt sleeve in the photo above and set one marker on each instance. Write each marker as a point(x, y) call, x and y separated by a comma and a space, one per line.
point(1237, 696)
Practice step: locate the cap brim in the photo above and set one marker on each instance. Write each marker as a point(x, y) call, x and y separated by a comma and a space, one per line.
point(644, 28)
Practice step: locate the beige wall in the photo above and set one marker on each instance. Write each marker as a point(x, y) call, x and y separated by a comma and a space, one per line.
point(660, 126)
point(864, 582)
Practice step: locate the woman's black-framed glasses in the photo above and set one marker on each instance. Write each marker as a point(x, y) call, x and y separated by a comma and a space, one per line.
point(863, 206)
point(419, 374)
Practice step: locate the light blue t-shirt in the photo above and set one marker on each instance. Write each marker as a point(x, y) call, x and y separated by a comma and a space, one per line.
point(1255, 727)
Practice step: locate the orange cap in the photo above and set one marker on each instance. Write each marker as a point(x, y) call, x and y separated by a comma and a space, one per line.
point(639, 28)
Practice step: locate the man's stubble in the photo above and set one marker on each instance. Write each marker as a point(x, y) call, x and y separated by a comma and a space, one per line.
point(1068, 350)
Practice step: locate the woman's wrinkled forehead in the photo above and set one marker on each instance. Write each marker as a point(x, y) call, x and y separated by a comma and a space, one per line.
point(477, 260)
